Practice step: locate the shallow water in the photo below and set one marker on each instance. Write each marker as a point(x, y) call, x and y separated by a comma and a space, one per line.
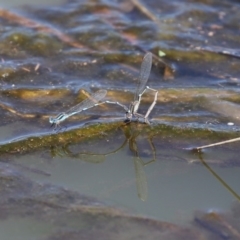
point(83, 46)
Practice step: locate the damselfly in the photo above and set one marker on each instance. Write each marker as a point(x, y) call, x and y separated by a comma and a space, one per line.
point(91, 101)
point(132, 110)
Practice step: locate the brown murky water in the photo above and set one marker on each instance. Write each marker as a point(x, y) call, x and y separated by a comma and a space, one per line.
point(96, 170)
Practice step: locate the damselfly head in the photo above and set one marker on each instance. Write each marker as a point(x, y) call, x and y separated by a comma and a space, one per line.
point(59, 118)
point(52, 120)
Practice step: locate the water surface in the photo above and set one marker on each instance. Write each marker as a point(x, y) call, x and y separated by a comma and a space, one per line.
point(52, 56)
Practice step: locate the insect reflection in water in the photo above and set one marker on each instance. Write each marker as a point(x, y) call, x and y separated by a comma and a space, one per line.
point(131, 132)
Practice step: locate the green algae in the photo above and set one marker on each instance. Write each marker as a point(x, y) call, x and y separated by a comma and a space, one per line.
point(37, 44)
point(93, 131)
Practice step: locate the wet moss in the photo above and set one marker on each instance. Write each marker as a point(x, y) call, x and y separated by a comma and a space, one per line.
point(36, 94)
point(158, 131)
point(37, 44)
point(62, 138)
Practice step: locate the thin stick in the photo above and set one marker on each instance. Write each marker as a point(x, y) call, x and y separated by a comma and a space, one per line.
point(145, 11)
point(219, 143)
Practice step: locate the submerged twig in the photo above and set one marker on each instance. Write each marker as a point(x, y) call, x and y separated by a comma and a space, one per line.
point(168, 71)
point(12, 110)
point(145, 11)
point(218, 143)
point(221, 50)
